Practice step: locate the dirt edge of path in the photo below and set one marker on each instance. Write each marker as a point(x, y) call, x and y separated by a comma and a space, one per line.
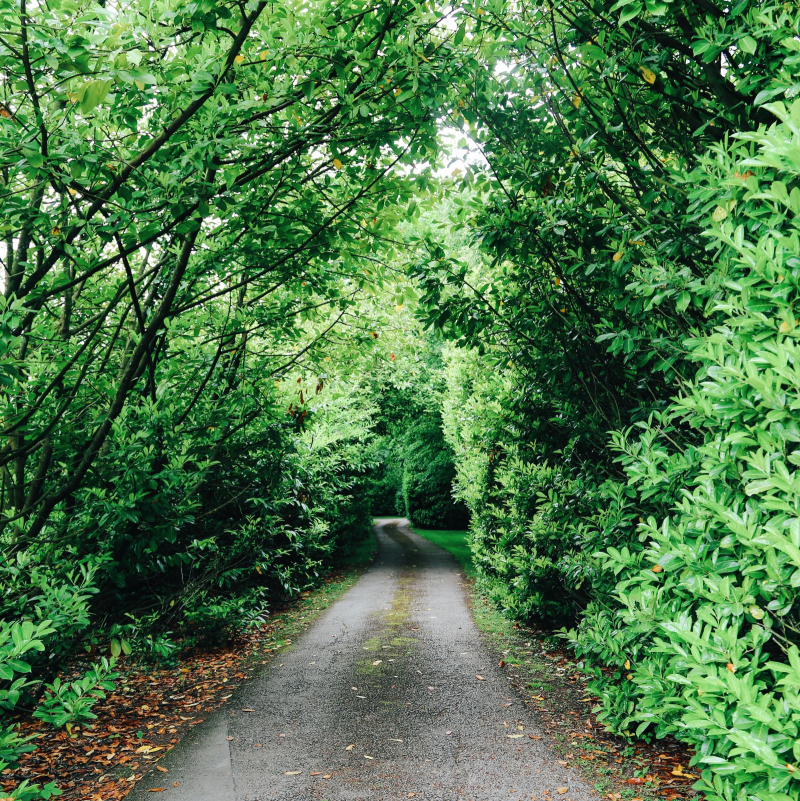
point(553, 685)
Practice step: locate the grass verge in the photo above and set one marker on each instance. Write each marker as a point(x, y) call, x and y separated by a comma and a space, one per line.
point(456, 542)
point(554, 687)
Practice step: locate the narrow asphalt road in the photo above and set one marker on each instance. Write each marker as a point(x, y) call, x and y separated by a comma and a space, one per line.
point(379, 699)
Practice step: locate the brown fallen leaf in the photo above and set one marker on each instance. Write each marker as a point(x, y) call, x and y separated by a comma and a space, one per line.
point(161, 769)
point(514, 736)
point(350, 747)
point(327, 776)
point(247, 709)
point(562, 790)
point(257, 745)
point(157, 790)
point(229, 738)
point(174, 784)
point(292, 772)
point(479, 678)
point(535, 736)
point(315, 773)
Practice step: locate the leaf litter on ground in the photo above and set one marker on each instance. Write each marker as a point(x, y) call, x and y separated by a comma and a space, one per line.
point(152, 707)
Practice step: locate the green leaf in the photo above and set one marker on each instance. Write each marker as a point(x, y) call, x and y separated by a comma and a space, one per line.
point(34, 157)
point(632, 11)
point(94, 93)
point(748, 44)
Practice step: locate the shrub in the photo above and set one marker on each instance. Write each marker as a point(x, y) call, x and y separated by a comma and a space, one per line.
point(705, 635)
point(428, 474)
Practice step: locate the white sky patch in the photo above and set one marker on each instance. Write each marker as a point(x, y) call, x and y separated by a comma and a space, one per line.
point(459, 153)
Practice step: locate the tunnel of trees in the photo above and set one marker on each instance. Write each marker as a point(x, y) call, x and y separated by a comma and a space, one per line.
point(270, 269)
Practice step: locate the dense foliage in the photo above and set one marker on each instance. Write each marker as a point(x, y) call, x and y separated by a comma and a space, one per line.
point(636, 220)
point(413, 469)
point(211, 371)
point(191, 193)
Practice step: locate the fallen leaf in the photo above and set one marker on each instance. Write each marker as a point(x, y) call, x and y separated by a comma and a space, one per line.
point(514, 736)
point(368, 757)
point(247, 709)
point(479, 678)
point(327, 776)
point(377, 662)
point(562, 790)
point(292, 772)
point(350, 747)
point(315, 773)
point(157, 790)
point(161, 769)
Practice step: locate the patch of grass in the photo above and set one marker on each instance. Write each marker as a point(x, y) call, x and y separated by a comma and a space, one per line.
point(456, 542)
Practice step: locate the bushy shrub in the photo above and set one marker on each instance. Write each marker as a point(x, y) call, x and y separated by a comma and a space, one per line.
point(428, 474)
point(705, 636)
point(384, 487)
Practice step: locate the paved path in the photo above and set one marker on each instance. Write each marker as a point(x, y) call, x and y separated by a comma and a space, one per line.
point(379, 699)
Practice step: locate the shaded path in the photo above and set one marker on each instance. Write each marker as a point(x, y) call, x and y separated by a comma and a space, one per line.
point(390, 669)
